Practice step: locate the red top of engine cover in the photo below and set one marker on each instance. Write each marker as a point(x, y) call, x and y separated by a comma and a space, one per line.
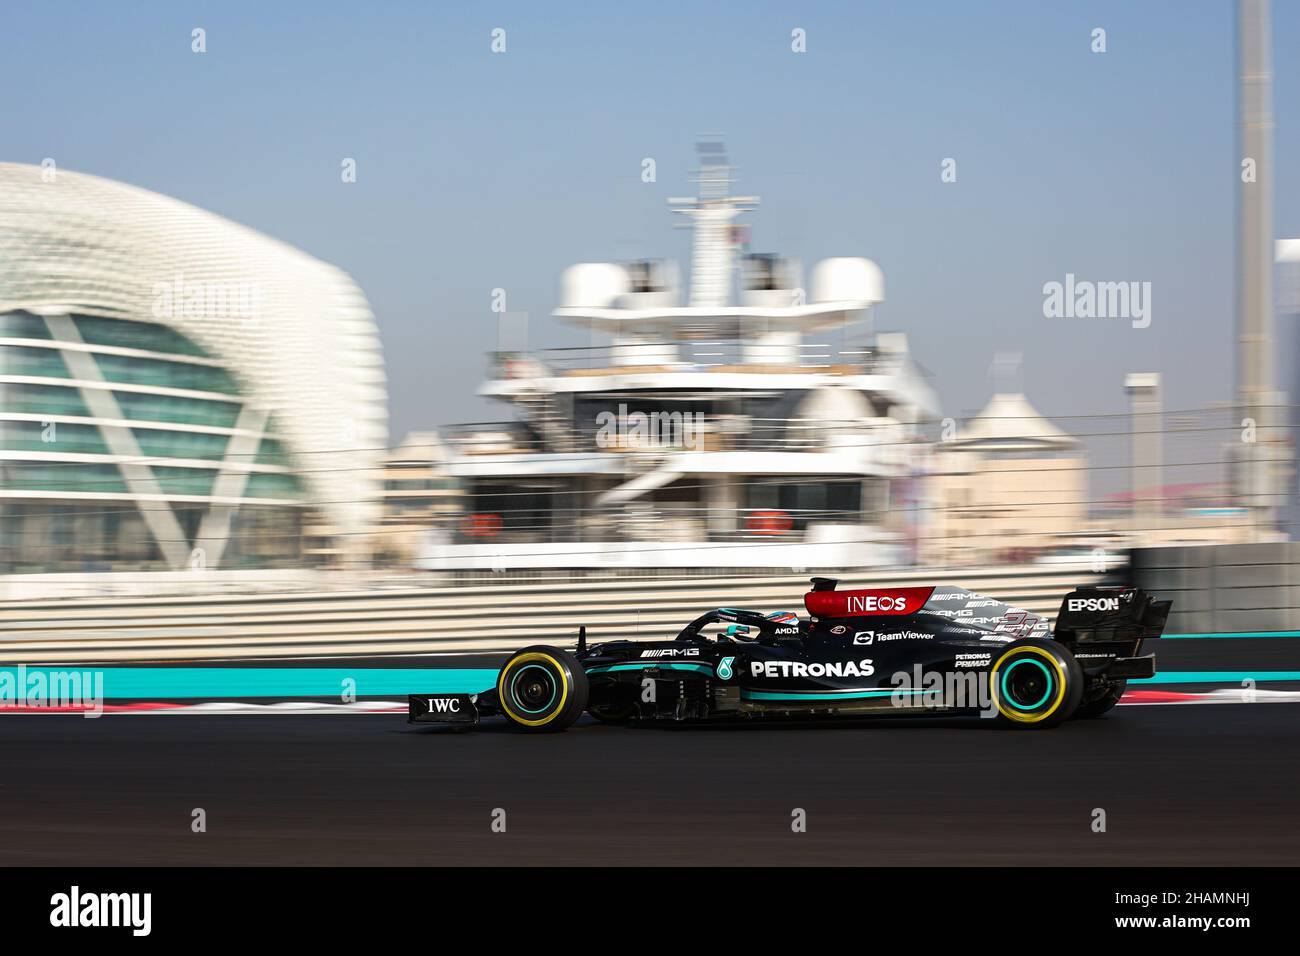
point(869, 601)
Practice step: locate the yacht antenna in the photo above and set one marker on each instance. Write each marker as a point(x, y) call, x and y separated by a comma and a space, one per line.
point(710, 214)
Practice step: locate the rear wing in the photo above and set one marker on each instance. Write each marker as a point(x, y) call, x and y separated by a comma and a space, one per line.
point(1110, 614)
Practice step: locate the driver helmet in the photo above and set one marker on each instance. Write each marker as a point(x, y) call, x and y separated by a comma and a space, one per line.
point(783, 617)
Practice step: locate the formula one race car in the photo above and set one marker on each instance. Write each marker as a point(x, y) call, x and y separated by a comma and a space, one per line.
point(880, 651)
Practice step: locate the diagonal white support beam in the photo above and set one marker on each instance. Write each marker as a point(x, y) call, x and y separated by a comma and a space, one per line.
point(214, 531)
point(139, 477)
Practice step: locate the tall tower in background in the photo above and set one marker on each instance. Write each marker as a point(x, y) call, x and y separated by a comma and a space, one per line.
point(1257, 464)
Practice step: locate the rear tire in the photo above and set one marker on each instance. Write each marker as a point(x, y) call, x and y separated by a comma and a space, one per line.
point(1035, 684)
point(542, 689)
point(1100, 705)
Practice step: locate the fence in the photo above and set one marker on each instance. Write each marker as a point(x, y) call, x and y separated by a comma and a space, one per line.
point(1242, 588)
point(413, 620)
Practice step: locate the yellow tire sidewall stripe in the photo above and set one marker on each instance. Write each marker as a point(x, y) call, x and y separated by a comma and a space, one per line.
point(1022, 717)
point(524, 659)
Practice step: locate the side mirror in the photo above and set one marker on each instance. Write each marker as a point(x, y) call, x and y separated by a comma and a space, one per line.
point(737, 630)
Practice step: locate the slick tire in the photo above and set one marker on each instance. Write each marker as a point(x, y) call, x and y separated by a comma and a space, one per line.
point(1102, 703)
point(542, 689)
point(1035, 684)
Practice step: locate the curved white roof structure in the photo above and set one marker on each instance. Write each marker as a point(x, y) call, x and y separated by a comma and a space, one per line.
point(295, 333)
point(1009, 423)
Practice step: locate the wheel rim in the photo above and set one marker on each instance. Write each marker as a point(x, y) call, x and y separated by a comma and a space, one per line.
point(533, 689)
point(1029, 684)
point(1027, 688)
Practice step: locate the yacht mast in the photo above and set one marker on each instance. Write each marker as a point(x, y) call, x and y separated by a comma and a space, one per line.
point(711, 214)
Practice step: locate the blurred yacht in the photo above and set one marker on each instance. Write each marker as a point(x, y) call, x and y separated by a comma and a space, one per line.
point(761, 423)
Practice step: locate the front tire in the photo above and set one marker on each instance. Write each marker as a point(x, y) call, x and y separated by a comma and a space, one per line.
point(1035, 684)
point(542, 689)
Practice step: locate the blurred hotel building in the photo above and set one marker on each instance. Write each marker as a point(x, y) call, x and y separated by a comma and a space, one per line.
point(176, 390)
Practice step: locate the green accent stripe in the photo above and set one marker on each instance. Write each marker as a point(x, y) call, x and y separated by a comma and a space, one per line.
point(170, 683)
point(1213, 634)
point(173, 683)
point(845, 695)
point(651, 664)
point(1215, 677)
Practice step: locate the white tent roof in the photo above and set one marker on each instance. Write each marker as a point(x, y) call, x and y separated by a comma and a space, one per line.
point(1009, 423)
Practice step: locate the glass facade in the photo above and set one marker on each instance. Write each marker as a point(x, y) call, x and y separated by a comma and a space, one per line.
point(114, 471)
point(98, 330)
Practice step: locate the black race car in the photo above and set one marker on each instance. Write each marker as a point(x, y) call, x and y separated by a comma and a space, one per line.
point(879, 651)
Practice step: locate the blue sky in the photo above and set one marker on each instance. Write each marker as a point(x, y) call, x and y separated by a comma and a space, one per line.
point(478, 170)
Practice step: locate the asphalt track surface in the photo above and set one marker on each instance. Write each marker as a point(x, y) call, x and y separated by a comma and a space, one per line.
point(1180, 784)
